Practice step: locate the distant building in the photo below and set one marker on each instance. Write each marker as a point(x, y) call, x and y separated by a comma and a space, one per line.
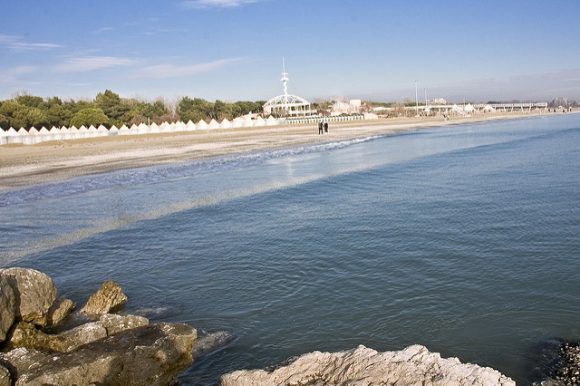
point(353, 106)
point(438, 101)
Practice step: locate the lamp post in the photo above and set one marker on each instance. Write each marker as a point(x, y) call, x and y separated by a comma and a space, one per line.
point(416, 100)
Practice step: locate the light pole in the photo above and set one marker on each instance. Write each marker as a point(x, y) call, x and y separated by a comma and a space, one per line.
point(416, 100)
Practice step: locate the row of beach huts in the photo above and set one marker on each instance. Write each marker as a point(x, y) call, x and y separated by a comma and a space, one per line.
point(33, 136)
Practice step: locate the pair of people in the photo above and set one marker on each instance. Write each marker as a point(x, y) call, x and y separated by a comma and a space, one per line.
point(322, 127)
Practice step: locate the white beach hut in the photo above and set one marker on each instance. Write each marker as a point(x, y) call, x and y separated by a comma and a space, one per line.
point(202, 125)
point(143, 129)
point(248, 122)
point(213, 124)
point(92, 132)
point(488, 109)
point(54, 134)
point(154, 128)
point(83, 132)
point(468, 108)
point(164, 127)
point(259, 122)
point(12, 136)
point(226, 124)
point(190, 126)
point(102, 131)
point(33, 131)
point(271, 121)
point(124, 130)
point(73, 132)
point(238, 122)
point(43, 134)
point(114, 130)
point(24, 137)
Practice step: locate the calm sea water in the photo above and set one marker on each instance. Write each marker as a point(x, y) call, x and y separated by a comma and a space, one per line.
point(464, 239)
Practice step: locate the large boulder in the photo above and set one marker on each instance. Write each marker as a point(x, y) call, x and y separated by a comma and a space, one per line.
point(363, 366)
point(59, 311)
point(27, 336)
point(148, 355)
point(7, 307)
point(35, 293)
point(108, 298)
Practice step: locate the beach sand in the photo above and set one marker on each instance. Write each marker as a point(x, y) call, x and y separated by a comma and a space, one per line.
point(22, 165)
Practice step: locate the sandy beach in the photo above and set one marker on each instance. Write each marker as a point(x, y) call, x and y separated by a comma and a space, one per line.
point(22, 165)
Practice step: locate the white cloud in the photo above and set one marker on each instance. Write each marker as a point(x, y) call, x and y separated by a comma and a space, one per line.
point(161, 71)
point(16, 43)
point(103, 29)
point(12, 74)
point(216, 3)
point(92, 63)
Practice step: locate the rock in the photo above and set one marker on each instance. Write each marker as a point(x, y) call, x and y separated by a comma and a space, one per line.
point(148, 355)
point(27, 336)
point(59, 311)
point(7, 307)
point(116, 323)
point(211, 342)
point(35, 292)
point(108, 298)
point(5, 378)
point(364, 366)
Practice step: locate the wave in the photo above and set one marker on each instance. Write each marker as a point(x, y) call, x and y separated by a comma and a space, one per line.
point(156, 174)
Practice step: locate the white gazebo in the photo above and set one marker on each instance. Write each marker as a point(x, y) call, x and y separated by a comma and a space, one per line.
point(287, 105)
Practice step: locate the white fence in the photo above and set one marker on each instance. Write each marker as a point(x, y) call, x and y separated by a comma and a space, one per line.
point(316, 119)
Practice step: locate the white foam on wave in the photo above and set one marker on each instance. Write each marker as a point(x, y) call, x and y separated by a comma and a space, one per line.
point(155, 174)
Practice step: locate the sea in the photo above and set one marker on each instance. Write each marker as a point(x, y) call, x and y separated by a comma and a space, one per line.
point(465, 239)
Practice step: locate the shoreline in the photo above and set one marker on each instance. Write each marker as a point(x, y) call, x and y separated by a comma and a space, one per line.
point(27, 165)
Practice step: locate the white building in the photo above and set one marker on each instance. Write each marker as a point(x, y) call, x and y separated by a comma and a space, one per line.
point(351, 107)
point(287, 105)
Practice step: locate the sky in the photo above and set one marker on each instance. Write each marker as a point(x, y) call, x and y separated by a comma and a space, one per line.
point(233, 49)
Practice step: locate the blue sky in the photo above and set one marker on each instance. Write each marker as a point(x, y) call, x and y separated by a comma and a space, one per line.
point(232, 49)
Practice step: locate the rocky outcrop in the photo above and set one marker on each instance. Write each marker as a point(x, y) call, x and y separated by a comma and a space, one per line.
point(7, 307)
point(59, 311)
point(45, 344)
point(148, 355)
point(108, 298)
point(363, 366)
point(35, 293)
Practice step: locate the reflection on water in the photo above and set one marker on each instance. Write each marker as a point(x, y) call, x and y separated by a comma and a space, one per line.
point(463, 239)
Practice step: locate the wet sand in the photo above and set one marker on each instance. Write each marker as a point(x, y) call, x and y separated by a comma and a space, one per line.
point(22, 165)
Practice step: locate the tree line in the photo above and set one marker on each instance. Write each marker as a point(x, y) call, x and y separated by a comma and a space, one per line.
point(109, 109)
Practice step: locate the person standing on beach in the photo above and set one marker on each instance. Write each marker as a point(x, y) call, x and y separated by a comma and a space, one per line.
point(326, 127)
point(320, 128)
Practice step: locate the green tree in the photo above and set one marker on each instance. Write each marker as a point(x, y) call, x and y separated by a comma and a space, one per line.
point(30, 101)
point(27, 117)
point(112, 105)
point(89, 116)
